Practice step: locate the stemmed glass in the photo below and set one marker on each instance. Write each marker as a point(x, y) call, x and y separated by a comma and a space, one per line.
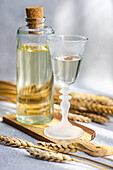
point(66, 53)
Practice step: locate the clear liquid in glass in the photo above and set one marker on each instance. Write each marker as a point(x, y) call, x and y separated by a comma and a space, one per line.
point(66, 69)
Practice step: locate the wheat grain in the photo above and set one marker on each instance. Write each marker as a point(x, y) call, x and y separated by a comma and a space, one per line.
point(91, 107)
point(83, 116)
point(93, 116)
point(14, 142)
point(57, 157)
point(91, 103)
point(58, 147)
point(82, 102)
point(88, 106)
point(75, 117)
point(81, 145)
point(49, 156)
point(81, 97)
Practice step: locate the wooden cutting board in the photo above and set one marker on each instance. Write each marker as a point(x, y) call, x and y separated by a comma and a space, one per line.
point(37, 131)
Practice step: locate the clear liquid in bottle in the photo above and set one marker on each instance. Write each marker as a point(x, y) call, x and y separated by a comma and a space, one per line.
point(34, 84)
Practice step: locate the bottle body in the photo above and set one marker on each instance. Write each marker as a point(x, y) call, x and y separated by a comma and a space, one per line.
point(34, 76)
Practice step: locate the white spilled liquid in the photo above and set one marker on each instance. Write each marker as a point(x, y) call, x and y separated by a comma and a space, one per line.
point(66, 69)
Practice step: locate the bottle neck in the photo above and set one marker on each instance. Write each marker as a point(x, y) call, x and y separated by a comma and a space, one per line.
point(33, 23)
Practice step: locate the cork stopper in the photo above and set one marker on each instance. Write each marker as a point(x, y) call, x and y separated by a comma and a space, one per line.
point(34, 18)
point(34, 12)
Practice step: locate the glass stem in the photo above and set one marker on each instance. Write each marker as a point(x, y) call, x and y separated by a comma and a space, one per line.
point(65, 104)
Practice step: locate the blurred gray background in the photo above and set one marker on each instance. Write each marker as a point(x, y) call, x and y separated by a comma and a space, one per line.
point(90, 18)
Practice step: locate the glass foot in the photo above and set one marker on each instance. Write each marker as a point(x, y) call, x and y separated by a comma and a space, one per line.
point(64, 130)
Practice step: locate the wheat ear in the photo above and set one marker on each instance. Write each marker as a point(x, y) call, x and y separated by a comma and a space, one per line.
point(93, 103)
point(93, 116)
point(88, 106)
point(87, 147)
point(92, 107)
point(80, 145)
point(76, 117)
point(14, 142)
point(81, 97)
point(57, 157)
point(49, 156)
point(58, 147)
point(82, 102)
point(83, 116)
point(90, 110)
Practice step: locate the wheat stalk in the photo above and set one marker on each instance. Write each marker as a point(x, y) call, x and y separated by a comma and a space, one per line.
point(14, 142)
point(82, 102)
point(88, 103)
point(75, 117)
point(79, 115)
point(79, 118)
point(8, 100)
point(103, 100)
point(57, 157)
point(68, 148)
point(81, 97)
point(93, 116)
point(92, 107)
point(49, 156)
point(81, 109)
point(88, 106)
point(7, 85)
point(82, 116)
point(58, 147)
point(80, 145)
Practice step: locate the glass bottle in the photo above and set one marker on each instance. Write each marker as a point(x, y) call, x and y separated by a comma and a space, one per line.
point(34, 73)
